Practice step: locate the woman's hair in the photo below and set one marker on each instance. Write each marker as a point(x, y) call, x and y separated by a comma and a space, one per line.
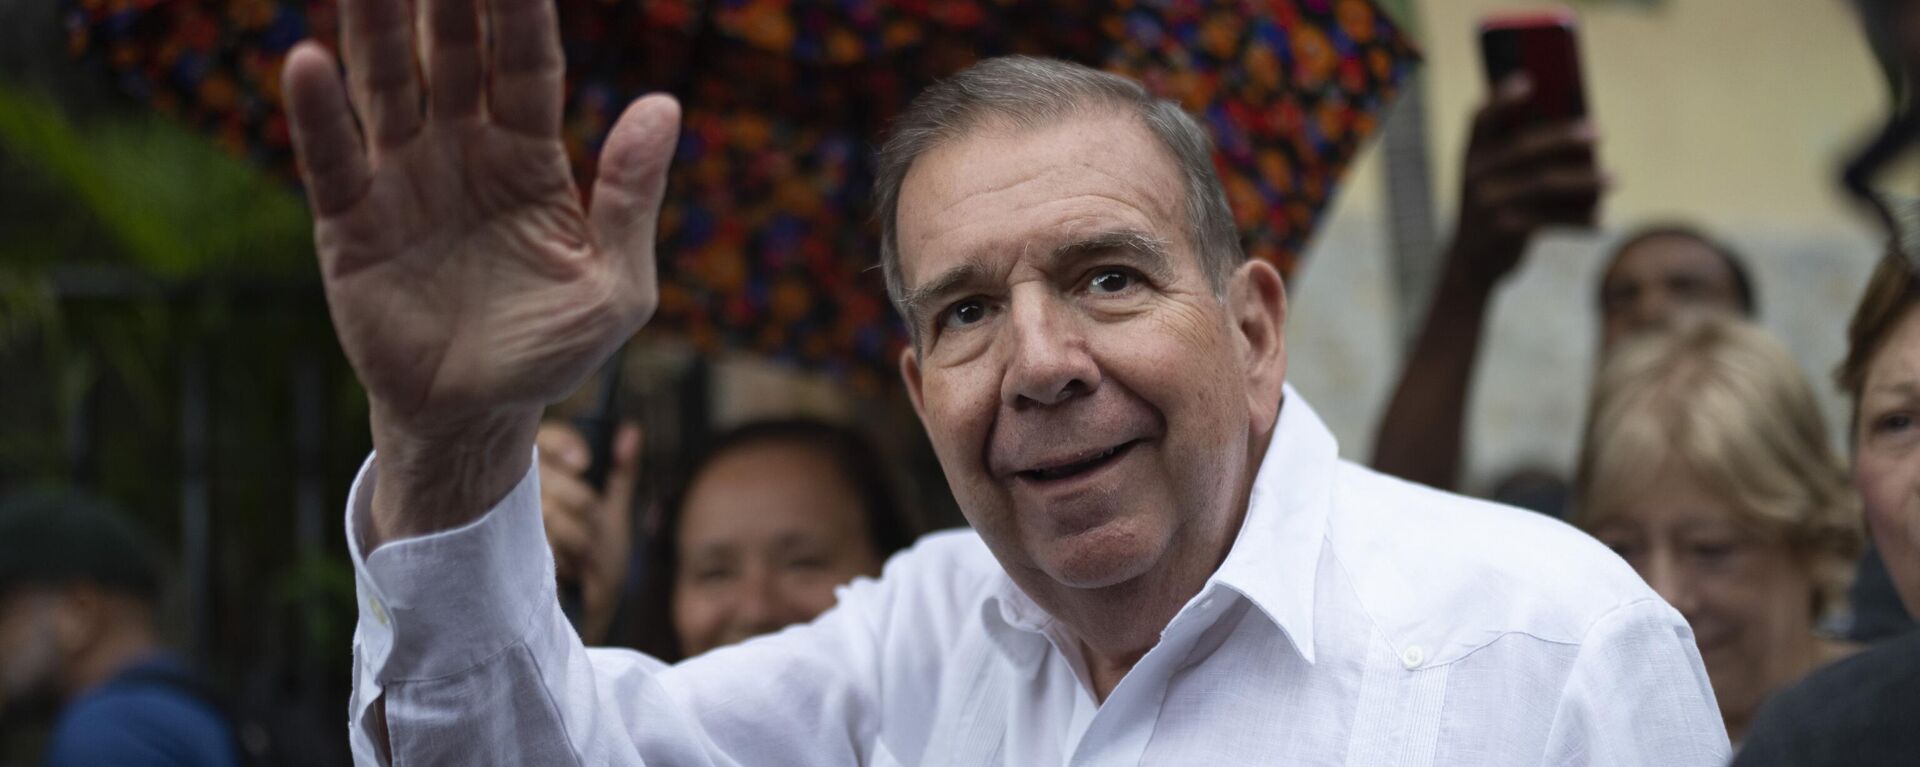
point(1726, 401)
point(1891, 292)
point(857, 465)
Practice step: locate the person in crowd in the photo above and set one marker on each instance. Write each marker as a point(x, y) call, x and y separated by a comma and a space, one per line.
point(772, 519)
point(1706, 466)
point(1860, 711)
point(78, 588)
point(1168, 561)
point(769, 521)
point(1667, 273)
point(1520, 177)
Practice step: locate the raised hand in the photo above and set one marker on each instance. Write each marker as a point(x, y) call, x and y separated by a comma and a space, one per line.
point(591, 530)
point(1520, 176)
point(468, 284)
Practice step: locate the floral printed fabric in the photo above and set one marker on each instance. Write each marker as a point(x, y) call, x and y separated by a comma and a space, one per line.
point(767, 242)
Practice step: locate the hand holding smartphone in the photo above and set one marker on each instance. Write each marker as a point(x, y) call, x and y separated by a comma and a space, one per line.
point(1530, 161)
point(1544, 47)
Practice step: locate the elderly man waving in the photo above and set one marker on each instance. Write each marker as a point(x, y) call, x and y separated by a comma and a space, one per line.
point(1169, 562)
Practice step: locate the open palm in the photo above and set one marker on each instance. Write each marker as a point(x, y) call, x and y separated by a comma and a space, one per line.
point(464, 274)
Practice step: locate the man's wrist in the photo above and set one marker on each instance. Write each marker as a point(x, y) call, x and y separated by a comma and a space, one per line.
point(1466, 286)
point(439, 477)
point(1475, 269)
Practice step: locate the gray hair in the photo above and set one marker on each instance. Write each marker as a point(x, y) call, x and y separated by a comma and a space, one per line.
point(1032, 92)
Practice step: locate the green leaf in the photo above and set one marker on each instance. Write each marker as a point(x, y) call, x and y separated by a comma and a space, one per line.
point(173, 201)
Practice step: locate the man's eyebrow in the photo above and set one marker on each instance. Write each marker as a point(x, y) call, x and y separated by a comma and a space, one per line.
point(1151, 256)
point(1151, 253)
point(915, 300)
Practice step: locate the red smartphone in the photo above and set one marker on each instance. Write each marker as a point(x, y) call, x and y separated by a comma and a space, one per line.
point(1544, 46)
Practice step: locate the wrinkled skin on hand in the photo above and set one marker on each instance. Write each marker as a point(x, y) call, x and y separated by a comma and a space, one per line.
point(468, 283)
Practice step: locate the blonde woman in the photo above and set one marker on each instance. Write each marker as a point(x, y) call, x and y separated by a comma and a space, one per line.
point(1706, 465)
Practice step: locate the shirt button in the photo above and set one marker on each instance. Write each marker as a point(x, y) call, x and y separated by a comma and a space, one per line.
point(1413, 657)
point(379, 611)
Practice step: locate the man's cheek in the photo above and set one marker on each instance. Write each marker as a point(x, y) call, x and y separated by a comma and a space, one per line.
point(957, 421)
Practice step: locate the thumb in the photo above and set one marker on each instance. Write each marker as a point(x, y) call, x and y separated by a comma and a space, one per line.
point(624, 477)
point(631, 183)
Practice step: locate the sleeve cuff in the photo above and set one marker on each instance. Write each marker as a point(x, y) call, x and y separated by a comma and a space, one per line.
point(443, 603)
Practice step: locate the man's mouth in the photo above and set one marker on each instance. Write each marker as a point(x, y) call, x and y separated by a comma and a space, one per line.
point(1078, 466)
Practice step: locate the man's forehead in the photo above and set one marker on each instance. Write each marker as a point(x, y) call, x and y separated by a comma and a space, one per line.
point(1667, 252)
point(1007, 189)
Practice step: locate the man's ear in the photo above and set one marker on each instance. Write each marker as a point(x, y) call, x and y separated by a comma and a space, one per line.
point(1257, 299)
point(910, 373)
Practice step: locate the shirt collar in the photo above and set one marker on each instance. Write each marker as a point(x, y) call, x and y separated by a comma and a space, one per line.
point(1016, 624)
point(1274, 558)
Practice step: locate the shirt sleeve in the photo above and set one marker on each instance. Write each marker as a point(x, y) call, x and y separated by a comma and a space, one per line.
point(461, 634)
point(1638, 695)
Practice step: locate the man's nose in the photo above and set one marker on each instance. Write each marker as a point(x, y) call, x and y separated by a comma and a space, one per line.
point(1652, 310)
point(1049, 362)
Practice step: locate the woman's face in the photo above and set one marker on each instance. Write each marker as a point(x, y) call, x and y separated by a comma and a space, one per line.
point(766, 533)
point(1747, 597)
point(1886, 450)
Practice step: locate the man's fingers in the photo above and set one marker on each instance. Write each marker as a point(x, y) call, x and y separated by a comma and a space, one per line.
point(377, 39)
point(451, 51)
point(569, 496)
point(1503, 109)
point(567, 532)
point(1569, 143)
point(1564, 198)
point(528, 69)
point(332, 159)
point(632, 179)
point(1551, 188)
point(624, 476)
point(562, 446)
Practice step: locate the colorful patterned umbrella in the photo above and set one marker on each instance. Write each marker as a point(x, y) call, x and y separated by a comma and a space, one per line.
point(767, 242)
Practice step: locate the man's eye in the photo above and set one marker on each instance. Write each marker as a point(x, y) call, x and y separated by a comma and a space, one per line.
point(1110, 281)
point(965, 313)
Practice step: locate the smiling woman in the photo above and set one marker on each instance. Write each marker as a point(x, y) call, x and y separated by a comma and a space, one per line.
point(1882, 373)
point(772, 518)
point(1707, 467)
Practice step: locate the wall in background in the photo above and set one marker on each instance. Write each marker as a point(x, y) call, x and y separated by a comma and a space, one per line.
point(1727, 113)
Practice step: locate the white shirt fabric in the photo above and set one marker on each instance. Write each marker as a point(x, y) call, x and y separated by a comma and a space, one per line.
point(1358, 620)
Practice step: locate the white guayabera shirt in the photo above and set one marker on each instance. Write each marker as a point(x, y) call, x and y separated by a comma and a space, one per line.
point(1358, 620)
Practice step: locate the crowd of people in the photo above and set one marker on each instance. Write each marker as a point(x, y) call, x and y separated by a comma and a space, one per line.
point(1168, 561)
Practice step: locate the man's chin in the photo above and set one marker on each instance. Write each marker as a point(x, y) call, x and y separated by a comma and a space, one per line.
point(1102, 556)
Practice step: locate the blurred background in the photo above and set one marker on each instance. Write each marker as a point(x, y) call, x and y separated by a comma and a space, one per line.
point(163, 340)
point(1729, 114)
